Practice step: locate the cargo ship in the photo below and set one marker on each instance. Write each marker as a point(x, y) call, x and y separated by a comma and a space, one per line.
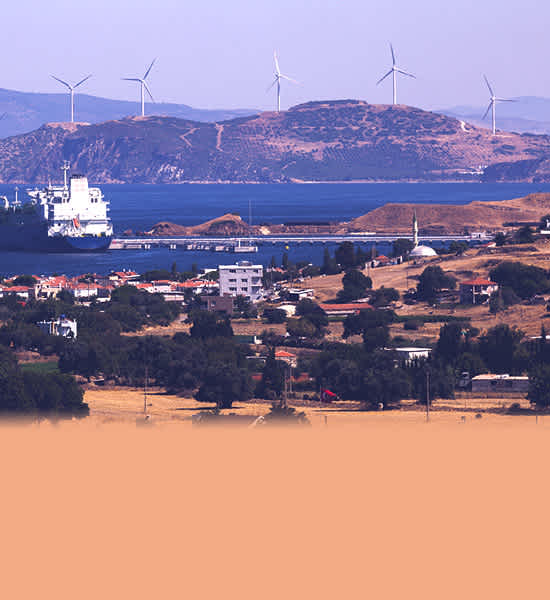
point(68, 218)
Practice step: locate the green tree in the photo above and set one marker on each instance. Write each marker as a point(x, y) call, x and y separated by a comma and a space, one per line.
point(354, 286)
point(432, 280)
point(224, 384)
point(525, 235)
point(402, 247)
point(345, 255)
point(499, 347)
point(209, 325)
point(539, 386)
point(273, 376)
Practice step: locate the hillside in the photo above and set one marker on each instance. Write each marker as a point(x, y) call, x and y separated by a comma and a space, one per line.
point(319, 141)
point(228, 224)
point(445, 218)
point(27, 111)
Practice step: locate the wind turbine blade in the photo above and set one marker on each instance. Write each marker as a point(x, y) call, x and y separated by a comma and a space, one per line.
point(148, 91)
point(405, 73)
point(386, 75)
point(274, 82)
point(82, 81)
point(489, 85)
point(277, 69)
point(392, 54)
point(61, 81)
point(487, 111)
point(130, 79)
point(149, 69)
point(3, 116)
point(289, 79)
point(505, 100)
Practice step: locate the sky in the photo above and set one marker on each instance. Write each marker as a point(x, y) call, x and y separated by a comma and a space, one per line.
point(219, 53)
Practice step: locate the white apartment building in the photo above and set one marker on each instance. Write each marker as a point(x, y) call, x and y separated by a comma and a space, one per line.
point(242, 279)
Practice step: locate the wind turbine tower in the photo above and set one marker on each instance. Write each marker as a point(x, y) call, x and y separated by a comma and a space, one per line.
point(71, 89)
point(277, 81)
point(493, 105)
point(394, 71)
point(144, 87)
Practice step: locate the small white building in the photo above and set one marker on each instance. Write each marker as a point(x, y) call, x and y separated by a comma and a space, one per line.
point(488, 382)
point(242, 279)
point(411, 353)
point(63, 327)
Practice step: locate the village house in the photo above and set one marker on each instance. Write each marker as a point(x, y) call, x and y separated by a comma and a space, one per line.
point(20, 291)
point(410, 354)
point(62, 327)
point(296, 294)
point(221, 304)
point(242, 279)
point(476, 291)
point(287, 357)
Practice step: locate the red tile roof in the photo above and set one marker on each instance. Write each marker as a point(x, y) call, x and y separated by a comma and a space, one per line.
point(478, 281)
point(353, 306)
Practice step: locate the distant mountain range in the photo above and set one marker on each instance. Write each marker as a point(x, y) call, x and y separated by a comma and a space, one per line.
point(27, 111)
point(527, 114)
point(344, 140)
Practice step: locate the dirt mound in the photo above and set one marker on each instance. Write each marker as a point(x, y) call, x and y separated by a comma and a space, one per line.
point(228, 224)
point(441, 218)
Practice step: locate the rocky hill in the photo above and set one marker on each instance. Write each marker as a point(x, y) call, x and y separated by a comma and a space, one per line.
point(320, 141)
point(445, 218)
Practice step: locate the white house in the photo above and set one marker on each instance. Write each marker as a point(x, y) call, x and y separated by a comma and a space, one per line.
point(63, 327)
point(242, 279)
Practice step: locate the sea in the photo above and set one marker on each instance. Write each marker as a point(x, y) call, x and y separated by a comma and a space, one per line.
point(139, 207)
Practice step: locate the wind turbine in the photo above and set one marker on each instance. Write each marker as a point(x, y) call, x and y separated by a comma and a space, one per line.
point(277, 81)
point(144, 86)
point(394, 71)
point(493, 105)
point(71, 88)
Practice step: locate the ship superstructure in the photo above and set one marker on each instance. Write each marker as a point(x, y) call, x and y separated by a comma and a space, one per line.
point(71, 217)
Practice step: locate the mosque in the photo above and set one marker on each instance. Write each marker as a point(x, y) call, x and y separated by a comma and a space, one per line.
point(419, 252)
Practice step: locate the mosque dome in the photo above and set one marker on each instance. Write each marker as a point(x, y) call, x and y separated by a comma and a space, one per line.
point(422, 252)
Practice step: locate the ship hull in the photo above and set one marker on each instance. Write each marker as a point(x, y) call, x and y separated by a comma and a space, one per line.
point(33, 237)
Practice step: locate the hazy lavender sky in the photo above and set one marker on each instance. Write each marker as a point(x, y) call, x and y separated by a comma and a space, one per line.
point(219, 53)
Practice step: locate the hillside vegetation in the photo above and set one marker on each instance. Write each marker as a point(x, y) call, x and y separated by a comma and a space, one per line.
point(318, 141)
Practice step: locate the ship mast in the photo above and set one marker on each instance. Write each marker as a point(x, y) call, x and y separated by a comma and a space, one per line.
point(66, 166)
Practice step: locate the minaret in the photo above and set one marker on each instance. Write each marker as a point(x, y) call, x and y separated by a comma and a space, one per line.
point(415, 230)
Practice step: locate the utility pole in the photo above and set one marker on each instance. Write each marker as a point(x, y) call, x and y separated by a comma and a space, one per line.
point(427, 395)
point(145, 390)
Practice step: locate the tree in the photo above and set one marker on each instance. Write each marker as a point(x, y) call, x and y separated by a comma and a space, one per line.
point(210, 325)
point(345, 255)
point(383, 296)
point(499, 347)
point(524, 280)
point(273, 377)
point(450, 342)
point(432, 280)
point(25, 280)
point(301, 328)
point(402, 247)
point(285, 262)
point(224, 384)
point(274, 315)
point(245, 308)
point(539, 386)
point(355, 286)
point(501, 238)
point(525, 235)
point(330, 266)
point(310, 310)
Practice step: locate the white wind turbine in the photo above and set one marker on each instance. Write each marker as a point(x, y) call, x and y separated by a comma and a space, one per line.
point(71, 89)
point(394, 71)
point(144, 86)
point(493, 105)
point(277, 81)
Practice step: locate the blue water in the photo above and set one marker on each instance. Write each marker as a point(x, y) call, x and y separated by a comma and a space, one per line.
point(138, 207)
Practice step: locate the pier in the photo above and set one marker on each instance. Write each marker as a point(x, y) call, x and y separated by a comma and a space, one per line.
point(250, 244)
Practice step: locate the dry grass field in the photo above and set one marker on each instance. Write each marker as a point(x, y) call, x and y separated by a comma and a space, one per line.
point(126, 406)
